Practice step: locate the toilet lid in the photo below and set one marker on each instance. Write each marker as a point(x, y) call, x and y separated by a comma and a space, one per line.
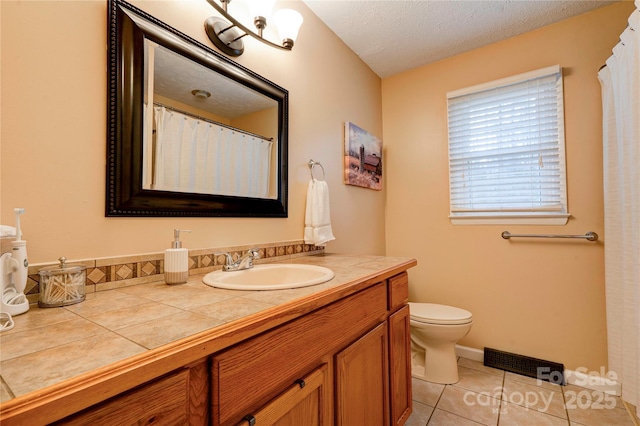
point(438, 314)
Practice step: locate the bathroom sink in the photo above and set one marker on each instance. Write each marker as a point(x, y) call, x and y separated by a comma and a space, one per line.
point(270, 277)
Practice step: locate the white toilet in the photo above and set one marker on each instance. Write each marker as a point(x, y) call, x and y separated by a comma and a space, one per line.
point(435, 330)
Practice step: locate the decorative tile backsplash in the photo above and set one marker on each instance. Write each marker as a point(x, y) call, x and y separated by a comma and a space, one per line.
point(115, 272)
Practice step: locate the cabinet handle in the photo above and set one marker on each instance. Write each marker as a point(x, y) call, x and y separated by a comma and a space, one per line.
point(250, 419)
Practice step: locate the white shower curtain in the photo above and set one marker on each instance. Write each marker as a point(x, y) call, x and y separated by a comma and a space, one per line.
point(227, 162)
point(620, 80)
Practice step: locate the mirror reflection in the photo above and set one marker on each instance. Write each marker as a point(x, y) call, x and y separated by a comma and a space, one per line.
point(205, 133)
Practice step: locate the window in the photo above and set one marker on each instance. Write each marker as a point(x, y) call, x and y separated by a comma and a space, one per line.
point(506, 151)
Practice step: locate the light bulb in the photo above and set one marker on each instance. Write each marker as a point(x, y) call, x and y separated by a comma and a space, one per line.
point(288, 22)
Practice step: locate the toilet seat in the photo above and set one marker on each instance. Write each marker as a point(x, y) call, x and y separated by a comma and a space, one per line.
point(432, 313)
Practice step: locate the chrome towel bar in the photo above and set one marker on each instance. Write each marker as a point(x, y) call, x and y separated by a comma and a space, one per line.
point(590, 236)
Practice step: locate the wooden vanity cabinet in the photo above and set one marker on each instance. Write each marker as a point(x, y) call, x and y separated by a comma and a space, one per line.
point(362, 340)
point(346, 363)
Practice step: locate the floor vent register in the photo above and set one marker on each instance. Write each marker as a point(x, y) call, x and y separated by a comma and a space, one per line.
point(527, 366)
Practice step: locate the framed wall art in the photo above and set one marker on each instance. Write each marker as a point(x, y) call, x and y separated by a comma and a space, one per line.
point(362, 158)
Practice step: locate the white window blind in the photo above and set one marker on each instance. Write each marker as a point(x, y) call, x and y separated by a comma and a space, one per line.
point(506, 150)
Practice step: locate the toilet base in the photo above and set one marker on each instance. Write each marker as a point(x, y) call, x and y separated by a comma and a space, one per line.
point(436, 365)
point(418, 372)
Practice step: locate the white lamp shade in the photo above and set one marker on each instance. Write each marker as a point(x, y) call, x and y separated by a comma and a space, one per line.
point(288, 22)
point(261, 8)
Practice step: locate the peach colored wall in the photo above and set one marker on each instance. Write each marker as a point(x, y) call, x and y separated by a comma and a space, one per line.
point(53, 146)
point(538, 298)
point(263, 123)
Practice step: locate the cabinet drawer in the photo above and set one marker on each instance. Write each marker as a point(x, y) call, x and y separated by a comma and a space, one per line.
point(398, 291)
point(161, 402)
point(250, 374)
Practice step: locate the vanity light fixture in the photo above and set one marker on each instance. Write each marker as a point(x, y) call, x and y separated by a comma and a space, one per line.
point(201, 94)
point(226, 34)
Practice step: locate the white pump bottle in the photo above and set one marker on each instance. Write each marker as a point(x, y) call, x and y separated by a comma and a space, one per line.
point(176, 260)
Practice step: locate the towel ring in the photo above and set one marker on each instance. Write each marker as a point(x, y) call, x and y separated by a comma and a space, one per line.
point(312, 164)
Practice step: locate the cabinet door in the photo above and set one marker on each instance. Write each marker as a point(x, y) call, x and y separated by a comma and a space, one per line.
point(362, 381)
point(307, 402)
point(400, 366)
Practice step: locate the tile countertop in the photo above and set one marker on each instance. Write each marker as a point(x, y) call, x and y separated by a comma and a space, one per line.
point(49, 346)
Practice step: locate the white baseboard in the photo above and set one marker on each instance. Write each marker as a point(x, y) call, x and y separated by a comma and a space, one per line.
point(578, 378)
point(470, 353)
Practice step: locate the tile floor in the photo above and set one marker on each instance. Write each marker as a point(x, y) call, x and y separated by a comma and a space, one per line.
point(488, 396)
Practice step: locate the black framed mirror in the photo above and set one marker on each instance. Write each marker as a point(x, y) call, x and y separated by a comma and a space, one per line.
point(239, 169)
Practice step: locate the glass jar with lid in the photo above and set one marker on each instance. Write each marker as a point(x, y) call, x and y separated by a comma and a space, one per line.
point(62, 285)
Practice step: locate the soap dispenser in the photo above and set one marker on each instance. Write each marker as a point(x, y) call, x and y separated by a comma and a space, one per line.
point(176, 260)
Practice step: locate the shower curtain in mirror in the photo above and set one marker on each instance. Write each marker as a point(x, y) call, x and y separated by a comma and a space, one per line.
point(620, 81)
point(197, 156)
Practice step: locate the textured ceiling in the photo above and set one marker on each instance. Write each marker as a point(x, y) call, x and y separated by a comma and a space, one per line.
point(396, 35)
point(176, 76)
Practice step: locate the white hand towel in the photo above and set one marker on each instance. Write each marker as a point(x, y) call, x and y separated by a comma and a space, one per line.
point(317, 221)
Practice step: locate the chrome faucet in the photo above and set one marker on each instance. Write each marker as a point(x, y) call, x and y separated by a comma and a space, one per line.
point(245, 262)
